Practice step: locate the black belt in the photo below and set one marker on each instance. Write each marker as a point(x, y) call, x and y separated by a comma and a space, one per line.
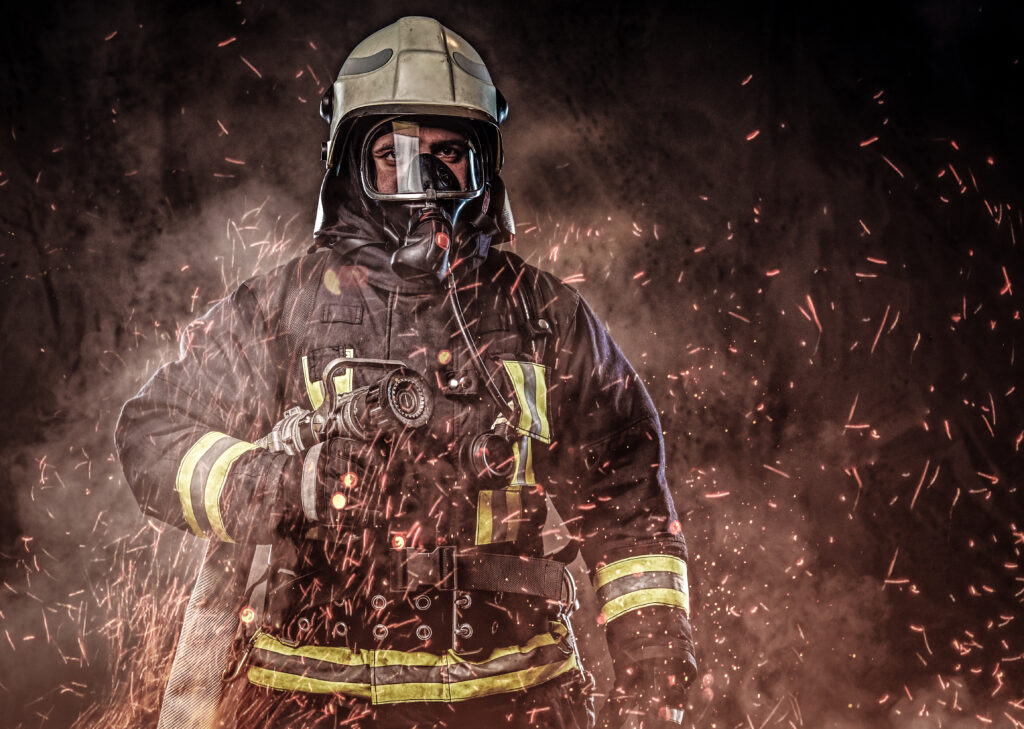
point(445, 569)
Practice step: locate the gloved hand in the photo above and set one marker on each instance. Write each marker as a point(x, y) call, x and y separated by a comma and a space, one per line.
point(342, 483)
point(649, 694)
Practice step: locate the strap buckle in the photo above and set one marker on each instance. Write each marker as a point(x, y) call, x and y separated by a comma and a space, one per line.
point(413, 569)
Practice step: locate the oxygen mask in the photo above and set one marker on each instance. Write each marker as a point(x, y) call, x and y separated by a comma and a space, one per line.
point(422, 173)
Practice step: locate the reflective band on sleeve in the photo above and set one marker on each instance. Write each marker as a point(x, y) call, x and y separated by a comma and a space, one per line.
point(529, 380)
point(636, 582)
point(644, 598)
point(315, 390)
point(201, 478)
point(636, 565)
point(215, 486)
point(183, 482)
point(391, 676)
point(308, 487)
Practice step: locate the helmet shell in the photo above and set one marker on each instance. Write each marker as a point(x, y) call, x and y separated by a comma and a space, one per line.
point(414, 66)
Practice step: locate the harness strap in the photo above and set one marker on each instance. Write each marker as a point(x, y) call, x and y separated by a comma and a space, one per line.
point(443, 568)
point(510, 573)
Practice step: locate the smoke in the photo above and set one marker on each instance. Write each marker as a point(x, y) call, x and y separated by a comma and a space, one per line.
point(94, 592)
point(810, 263)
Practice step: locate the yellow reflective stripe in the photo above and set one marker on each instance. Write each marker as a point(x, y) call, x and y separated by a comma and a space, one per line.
point(474, 687)
point(483, 517)
point(522, 456)
point(644, 598)
point(516, 479)
point(408, 692)
point(514, 513)
point(384, 657)
point(634, 566)
point(387, 657)
point(541, 400)
point(396, 693)
point(341, 656)
point(515, 371)
point(538, 641)
point(405, 692)
point(288, 682)
point(183, 481)
point(514, 681)
point(215, 486)
point(529, 380)
point(315, 390)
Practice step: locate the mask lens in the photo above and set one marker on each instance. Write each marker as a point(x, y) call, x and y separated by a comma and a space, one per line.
point(420, 160)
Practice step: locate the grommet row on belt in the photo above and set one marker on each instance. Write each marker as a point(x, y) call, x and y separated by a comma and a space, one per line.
point(380, 631)
point(379, 602)
point(340, 629)
point(464, 631)
point(422, 602)
point(463, 601)
point(424, 632)
point(305, 624)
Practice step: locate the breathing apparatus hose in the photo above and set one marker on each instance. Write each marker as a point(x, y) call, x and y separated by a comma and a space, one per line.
point(474, 353)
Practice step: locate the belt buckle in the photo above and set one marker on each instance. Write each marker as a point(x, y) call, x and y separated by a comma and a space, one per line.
point(448, 575)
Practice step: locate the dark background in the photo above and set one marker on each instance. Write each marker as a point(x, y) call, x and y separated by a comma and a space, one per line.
point(802, 224)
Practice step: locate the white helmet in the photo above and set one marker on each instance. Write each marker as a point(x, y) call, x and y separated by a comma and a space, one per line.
point(414, 66)
point(416, 76)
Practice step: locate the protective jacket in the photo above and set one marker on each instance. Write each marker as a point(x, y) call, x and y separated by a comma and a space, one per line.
point(430, 583)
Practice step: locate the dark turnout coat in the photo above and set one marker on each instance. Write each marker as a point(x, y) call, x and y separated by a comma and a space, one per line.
point(341, 615)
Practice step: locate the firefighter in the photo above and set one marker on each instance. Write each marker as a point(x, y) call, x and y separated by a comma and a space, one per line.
point(407, 583)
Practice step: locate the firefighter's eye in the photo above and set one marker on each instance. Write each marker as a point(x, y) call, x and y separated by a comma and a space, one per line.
point(385, 153)
point(450, 152)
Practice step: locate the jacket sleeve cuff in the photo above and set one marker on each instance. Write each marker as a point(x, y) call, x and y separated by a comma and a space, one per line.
point(654, 632)
point(645, 605)
point(231, 489)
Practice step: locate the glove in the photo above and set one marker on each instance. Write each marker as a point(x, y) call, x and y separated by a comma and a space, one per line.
point(342, 483)
point(649, 694)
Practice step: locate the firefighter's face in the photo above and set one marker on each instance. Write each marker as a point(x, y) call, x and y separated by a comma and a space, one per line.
point(447, 146)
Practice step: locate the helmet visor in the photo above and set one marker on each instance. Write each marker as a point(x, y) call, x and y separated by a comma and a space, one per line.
point(421, 159)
